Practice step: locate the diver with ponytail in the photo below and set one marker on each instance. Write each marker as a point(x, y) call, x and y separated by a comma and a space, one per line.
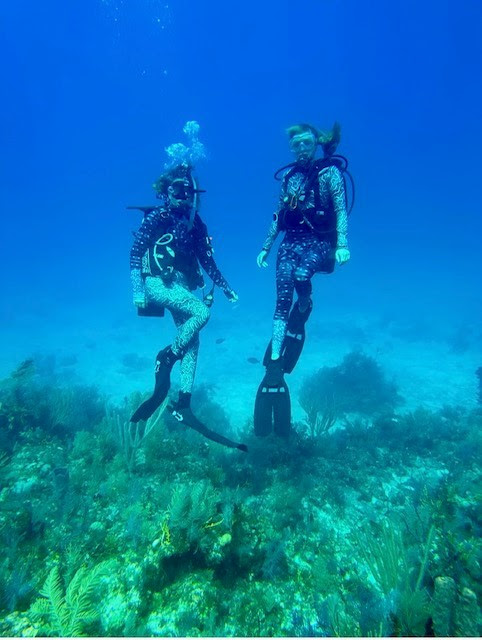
point(313, 215)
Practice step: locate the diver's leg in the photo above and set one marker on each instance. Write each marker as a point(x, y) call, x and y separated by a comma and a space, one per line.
point(183, 321)
point(302, 308)
point(177, 298)
point(285, 267)
point(190, 315)
point(311, 255)
point(272, 408)
point(189, 359)
point(196, 314)
point(311, 260)
point(181, 409)
point(315, 254)
point(303, 289)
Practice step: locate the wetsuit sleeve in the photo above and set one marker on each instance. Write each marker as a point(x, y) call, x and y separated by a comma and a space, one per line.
point(274, 229)
point(142, 240)
point(272, 233)
point(337, 192)
point(204, 253)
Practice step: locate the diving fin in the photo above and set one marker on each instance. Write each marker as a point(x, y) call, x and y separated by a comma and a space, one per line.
point(297, 318)
point(290, 352)
point(185, 415)
point(272, 408)
point(164, 362)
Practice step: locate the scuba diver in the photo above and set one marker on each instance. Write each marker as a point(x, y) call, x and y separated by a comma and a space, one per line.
point(165, 260)
point(313, 214)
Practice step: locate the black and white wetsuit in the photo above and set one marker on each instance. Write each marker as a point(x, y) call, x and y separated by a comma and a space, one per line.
point(306, 248)
point(192, 247)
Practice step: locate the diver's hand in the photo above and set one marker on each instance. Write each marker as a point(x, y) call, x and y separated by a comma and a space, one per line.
point(140, 302)
point(231, 295)
point(342, 255)
point(261, 259)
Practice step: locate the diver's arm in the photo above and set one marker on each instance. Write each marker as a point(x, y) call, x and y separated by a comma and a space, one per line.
point(138, 291)
point(204, 253)
point(336, 186)
point(272, 234)
point(142, 239)
point(337, 192)
point(268, 243)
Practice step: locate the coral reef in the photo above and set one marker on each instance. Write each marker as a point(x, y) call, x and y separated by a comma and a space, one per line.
point(357, 385)
point(368, 526)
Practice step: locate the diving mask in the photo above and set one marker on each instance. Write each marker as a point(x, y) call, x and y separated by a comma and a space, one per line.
point(303, 143)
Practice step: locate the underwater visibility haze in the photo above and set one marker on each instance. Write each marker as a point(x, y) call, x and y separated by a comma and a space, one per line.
point(144, 490)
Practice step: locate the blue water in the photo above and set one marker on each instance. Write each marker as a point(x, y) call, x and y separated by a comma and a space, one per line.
point(94, 91)
point(93, 95)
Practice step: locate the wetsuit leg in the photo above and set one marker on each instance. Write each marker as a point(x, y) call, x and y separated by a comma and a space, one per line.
point(311, 260)
point(181, 410)
point(289, 258)
point(272, 409)
point(285, 283)
point(189, 359)
point(178, 299)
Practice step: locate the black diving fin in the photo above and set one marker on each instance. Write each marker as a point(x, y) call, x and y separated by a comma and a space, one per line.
point(272, 408)
point(185, 416)
point(165, 360)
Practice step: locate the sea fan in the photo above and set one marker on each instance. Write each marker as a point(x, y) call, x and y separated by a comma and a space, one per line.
point(67, 615)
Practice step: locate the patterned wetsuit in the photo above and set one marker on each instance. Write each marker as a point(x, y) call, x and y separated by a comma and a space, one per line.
point(304, 252)
point(190, 314)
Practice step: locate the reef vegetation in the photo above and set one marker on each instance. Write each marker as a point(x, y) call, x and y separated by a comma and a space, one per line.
point(366, 523)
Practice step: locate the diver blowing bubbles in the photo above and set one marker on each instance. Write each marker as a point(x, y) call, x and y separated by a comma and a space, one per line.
point(169, 253)
point(177, 184)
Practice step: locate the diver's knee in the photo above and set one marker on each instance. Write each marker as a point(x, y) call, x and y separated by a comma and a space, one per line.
point(301, 275)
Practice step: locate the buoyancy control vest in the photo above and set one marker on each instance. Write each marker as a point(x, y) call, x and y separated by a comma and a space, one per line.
point(167, 255)
point(304, 207)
